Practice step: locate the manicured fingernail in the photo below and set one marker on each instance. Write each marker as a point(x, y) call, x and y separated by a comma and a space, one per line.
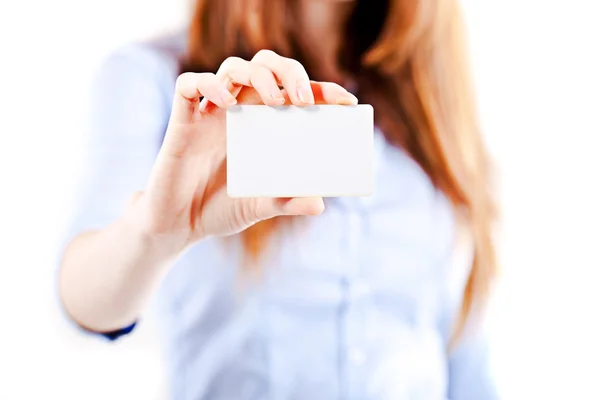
point(305, 94)
point(227, 97)
point(203, 104)
point(278, 97)
point(347, 98)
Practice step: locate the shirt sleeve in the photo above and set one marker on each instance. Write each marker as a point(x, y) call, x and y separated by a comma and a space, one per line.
point(129, 110)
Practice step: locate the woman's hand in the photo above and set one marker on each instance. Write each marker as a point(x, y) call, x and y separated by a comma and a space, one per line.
point(107, 276)
point(186, 198)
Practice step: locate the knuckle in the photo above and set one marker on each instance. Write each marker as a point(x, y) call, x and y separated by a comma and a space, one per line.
point(246, 213)
point(182, 78)
point(230, 63)
point(294, 69)
point(294, 64)
point(253, 212)
point(199, 79)
point(265, 54)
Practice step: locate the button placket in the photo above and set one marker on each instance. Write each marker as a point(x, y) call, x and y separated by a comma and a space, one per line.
point(355, 353)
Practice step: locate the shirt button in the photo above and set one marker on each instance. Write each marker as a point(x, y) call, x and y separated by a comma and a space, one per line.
point(357, 356)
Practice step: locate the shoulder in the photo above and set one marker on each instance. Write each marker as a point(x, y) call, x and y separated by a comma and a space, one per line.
point(155, 62)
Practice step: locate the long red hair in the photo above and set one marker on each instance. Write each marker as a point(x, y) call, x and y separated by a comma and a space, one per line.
point(409, 60)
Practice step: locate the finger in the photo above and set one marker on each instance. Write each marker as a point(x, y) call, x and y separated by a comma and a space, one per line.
point(244, 73)
point(223, 215)
point(332, 93)
point(324, 93)
point(290, 73)
point(301, 205)
point(266, 208)
point(188, 90)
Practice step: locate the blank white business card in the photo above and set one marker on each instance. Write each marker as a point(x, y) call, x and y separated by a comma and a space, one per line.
point(290, 151)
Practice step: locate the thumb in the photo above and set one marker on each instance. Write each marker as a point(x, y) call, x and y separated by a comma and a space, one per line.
point(299, 205)
point(265, 208)
point(226, 216)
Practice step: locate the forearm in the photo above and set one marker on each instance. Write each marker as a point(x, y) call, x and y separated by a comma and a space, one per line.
point(107, 276)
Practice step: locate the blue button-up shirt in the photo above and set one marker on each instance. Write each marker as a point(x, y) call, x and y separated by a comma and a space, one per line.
point(357, 303)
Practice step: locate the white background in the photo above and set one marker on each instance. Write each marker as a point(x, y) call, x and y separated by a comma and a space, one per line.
point(537, 65)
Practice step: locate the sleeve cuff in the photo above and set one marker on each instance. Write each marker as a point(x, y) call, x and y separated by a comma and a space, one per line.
point(114, 335)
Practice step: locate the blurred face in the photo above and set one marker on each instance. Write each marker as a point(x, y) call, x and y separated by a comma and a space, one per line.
point(320, 29)
point(324, 15)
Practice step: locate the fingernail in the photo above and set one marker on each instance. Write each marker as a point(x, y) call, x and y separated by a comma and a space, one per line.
point(203, 105)
point(305, 94)
point(227, 97)
point(278, 97)
point(347, 98)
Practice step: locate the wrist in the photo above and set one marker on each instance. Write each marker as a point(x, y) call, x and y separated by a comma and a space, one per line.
point(162, 245)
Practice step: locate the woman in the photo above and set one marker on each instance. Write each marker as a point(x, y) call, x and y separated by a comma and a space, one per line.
point(368, 298)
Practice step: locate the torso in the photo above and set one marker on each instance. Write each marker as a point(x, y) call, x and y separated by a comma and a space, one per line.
point(348, 305)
